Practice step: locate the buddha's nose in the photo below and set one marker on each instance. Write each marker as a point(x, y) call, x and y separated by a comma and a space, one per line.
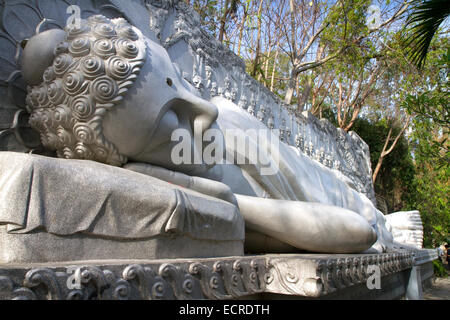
point(202, 112)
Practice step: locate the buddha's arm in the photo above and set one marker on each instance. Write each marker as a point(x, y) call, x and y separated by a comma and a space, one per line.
point(308, 225)
point(205, 186)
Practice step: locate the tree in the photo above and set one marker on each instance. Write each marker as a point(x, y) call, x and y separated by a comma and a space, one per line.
point(430, 143)
point(342, 32)
point(229, 10)
point(387, 149)
point(432, 181)
point(209, 14)
point(353, 87)
point(395, 179)
point(429, 102)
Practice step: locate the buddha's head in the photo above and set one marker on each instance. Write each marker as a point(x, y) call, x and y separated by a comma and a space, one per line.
point(102, 91)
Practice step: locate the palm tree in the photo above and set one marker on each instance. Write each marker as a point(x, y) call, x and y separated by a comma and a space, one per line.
point(422, 24)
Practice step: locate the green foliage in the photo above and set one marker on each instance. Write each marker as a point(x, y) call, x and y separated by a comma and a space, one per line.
point(349, 30)
point(422, 25)
point(432, 181)
point(439, 269)
point(281, 71)
point(209, 14)
point(348, 21)
point(430, 146)
point(328, 113)
point(430, 101)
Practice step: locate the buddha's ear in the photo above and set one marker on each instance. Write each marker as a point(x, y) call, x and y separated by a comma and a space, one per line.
point(38, 54)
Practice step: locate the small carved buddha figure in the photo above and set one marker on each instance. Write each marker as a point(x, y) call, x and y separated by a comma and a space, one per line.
point(252, 108)
point(107, 93)
point(288, 132)
point(226, 91)
point(208, 73)
point(243, 102)
point(270, 122)
point(214, 90)
point(312, 150)
point(261, 114)
point(299, 141)
point(197, 82)
point(337, 165)
point(233, 95)
point(180, 24)
point(328, 160)
point(322, 155)
point(283, 130)
point(307, 149)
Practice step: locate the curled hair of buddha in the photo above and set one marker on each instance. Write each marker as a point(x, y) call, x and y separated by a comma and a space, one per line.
point(91, 72)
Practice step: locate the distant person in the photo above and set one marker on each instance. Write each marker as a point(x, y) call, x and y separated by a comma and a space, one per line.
point(447, 253)
point(441, 251)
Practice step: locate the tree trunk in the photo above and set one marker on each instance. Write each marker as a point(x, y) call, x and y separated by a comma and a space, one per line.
point(272, 81)
point(293, 76)
point(223, 21)
point(241, 32)
point(381, 158)
point(355, 113)
point(305, 95)
point(266, 66)
point(386, 151)
point(291, 87)
point(258, 42)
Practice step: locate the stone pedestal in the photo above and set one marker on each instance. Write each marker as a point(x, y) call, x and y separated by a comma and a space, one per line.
point(271, 276)
point(421, 274)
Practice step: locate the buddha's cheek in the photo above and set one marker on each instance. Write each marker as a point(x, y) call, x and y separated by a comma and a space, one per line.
point(163, 133)
point(128, 128)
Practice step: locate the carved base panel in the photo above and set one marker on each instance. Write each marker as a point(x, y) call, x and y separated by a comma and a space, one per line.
point(264, 276)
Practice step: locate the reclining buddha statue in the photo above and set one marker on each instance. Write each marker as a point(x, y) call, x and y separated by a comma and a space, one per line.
point(103, 91)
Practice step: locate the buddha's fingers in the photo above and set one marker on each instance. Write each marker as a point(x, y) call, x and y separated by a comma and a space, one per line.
point(307, 225)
